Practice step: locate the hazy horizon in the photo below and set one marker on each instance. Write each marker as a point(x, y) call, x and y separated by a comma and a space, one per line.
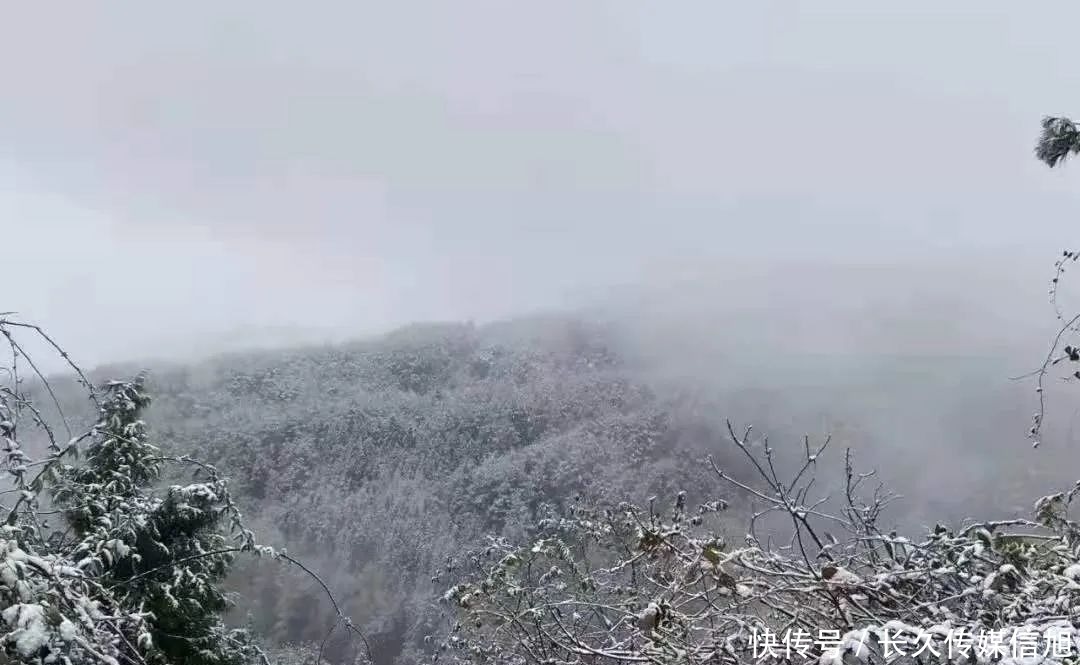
point(277, 174)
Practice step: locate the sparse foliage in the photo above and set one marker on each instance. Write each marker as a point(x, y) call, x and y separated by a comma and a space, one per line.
point(1059, 139)
point(626, 585)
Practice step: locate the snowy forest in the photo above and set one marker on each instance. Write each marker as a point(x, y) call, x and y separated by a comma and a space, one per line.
point(525, 492)
point(539, 333)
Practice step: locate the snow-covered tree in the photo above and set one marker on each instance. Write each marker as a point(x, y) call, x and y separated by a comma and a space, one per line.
point(163, 551)
point(131, 571)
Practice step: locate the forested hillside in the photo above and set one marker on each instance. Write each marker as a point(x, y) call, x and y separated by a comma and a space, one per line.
point(385, 465)
point(377, 460)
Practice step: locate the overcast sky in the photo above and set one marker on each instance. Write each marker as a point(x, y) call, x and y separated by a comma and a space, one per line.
point(174, 172)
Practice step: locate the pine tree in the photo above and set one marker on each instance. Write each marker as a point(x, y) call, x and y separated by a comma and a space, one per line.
point(163, 551)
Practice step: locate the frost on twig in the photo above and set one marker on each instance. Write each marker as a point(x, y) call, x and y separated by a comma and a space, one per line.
point(622, 584)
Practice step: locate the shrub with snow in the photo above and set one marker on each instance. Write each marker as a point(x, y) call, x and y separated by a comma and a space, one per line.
point(624, 584)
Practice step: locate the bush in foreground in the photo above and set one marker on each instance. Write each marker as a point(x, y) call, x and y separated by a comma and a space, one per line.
point(635, 585)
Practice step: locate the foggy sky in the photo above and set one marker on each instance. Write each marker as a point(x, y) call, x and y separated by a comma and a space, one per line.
point(172, 175)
